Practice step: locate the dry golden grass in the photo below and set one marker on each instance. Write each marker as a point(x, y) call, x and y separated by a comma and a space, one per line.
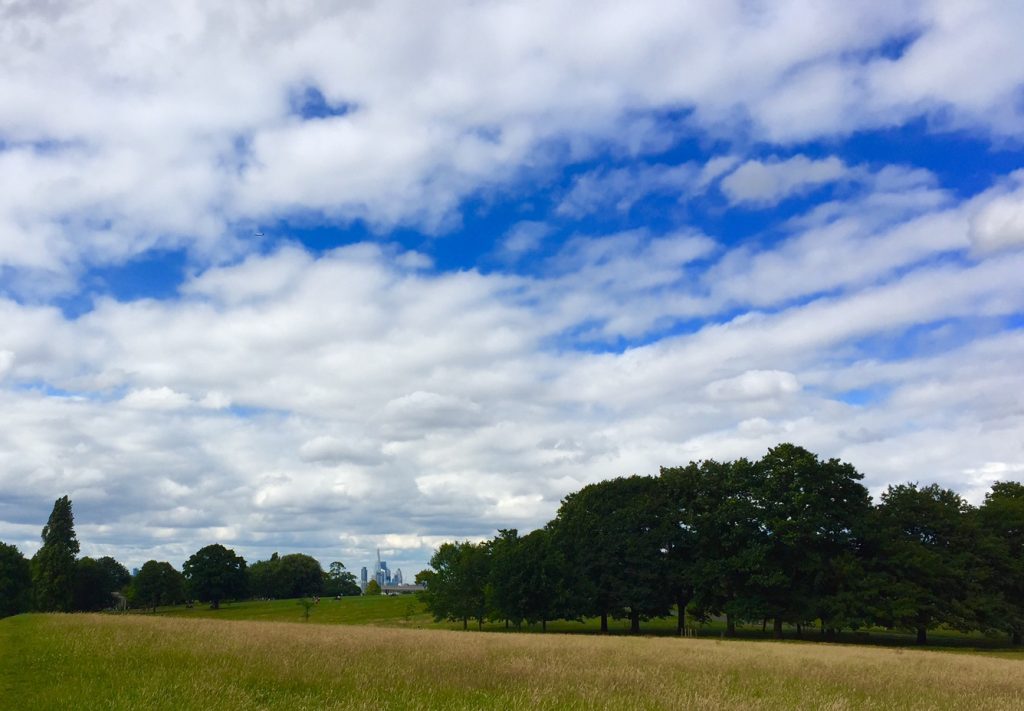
point(134, 662)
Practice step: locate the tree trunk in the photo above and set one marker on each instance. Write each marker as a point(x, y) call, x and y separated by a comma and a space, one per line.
point(730, 626)
point(480, 623)
point(764, 624)
point(799, 629)
point(465, 623)
point(922, 635)
point(777, 628)
point(604, 623)
point(634, 621)
point(544, 625)
point(1015, 638)
point(681, 602)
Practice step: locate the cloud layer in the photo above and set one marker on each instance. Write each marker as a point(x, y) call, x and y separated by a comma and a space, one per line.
point(126, 129)
point(675, 251)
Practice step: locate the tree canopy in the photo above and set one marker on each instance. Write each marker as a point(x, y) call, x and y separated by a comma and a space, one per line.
point(215, 573)
point(158, 583)
point(288, 576)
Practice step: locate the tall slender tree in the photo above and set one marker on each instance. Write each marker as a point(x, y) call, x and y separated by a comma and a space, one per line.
point(53, 565)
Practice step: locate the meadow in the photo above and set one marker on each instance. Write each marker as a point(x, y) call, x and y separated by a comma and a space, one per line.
point(182, 659)
point(407, 611)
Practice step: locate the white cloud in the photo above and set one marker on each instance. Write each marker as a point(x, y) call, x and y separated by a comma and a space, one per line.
point(329, 403)
point(108, 153)
point(766, 183)
point(524, 237)
point(162, 398)
point(999, 221)
point(754, 385)
point(621, 188)
point(6, 363)
point(370, 400)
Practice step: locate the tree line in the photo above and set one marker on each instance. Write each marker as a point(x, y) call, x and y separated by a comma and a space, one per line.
point(57, 580)
point(790, 538)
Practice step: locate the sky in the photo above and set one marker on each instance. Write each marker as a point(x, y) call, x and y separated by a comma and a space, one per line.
point(330, 277)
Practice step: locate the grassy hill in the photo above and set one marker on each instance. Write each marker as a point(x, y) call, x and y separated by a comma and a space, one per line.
point(167, 662)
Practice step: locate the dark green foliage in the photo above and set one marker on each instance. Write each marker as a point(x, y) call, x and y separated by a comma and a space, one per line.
point(15, 581)
point(543, 584)
point(372, 588)
point(53, 565)
point(505, 584)
point(613, 535)
point(96, 581)
point(813, 516)
point(338, 581)
point(215, 573)
point(91, 590)
point(722, 537)
point(926, 559)
point(157, 583)
point(1001, 518)
point(458, 588)
point(293, 575)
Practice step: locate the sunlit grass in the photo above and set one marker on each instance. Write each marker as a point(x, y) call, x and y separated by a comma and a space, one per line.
point(409, 612)
point(162, 662)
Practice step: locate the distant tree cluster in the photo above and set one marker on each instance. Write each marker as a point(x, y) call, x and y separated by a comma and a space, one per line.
point(56, 580)
point(789, 538)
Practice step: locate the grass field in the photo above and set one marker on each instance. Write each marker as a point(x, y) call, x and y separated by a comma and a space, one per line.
point(407, 611)
point(170, 662)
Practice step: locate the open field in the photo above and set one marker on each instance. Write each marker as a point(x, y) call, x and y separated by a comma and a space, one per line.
point(152, 662)
point(407, 611)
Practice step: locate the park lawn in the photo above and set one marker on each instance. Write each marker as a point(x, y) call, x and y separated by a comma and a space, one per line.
point(399, 611)
point(88, 661)
point(407, 611)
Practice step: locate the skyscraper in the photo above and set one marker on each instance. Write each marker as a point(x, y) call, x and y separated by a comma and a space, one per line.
point(382, 575)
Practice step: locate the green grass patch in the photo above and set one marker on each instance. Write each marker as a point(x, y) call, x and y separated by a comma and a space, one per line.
point(172, 661)
point(408, 612)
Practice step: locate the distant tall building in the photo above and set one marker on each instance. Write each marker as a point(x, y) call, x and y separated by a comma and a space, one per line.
point(382, 575)
point(362, 579)
point(396, 579)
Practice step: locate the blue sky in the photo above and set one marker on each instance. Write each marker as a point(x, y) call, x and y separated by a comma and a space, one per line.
point(322, 280)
